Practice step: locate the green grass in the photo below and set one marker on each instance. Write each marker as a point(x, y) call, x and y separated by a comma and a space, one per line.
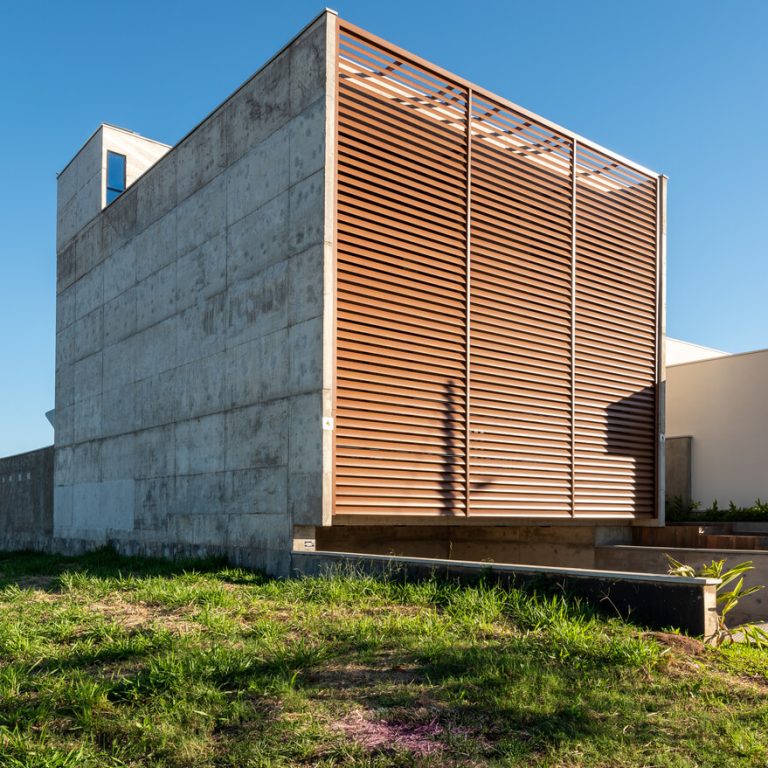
point(107, 661)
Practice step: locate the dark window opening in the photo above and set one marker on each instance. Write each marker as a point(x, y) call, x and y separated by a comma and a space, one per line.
point(115, 176)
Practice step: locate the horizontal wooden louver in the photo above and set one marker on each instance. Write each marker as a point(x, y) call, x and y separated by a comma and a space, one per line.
point(401, 304)
point(497, 318)
point(615, 363)
point(520, 331)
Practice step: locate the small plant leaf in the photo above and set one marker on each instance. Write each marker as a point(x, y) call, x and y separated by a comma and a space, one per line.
point(755, 635)
point(736, 571)
point(676, 568)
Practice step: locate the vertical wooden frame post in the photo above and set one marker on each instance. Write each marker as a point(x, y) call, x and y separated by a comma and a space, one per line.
point(661, 376)
point(330, 256)
point(574, 149)
point(468, 311)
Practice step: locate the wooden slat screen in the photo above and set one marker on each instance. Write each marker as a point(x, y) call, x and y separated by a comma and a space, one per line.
point(401, 301)
point(520, 330)
point(616, 343)
point(496, 332)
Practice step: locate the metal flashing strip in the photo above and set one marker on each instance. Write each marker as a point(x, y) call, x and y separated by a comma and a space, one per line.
point(661, 351)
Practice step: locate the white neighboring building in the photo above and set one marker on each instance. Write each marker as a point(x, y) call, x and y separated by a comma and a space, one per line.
point(678, 352)
point(720, 400)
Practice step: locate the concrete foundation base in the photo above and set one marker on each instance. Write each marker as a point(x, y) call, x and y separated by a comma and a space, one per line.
point(276, 563)
point(570, 546)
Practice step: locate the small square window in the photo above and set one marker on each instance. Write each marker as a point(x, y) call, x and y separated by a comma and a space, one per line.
point(115, 176)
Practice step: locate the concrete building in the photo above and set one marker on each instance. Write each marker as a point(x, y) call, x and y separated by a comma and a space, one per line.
point(267, 335)
point(190, 325)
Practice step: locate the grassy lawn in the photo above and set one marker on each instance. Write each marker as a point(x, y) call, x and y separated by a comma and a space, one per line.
point(124, 662)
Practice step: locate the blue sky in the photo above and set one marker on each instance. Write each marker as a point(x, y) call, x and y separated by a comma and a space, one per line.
point(681, 87)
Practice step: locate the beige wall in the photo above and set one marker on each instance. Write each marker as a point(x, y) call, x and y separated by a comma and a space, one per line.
point(723, 404)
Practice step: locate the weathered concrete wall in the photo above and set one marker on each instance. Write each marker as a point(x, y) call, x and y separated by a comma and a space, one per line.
point(190, 343)
point(26, 500)
point(678, 468)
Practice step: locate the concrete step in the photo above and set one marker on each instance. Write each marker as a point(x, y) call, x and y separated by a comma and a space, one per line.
point(721, 541)
point(697, 536)
point(751, 529)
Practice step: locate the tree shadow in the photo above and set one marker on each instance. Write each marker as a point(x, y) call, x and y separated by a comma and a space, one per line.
point(32, 569)
point(452, 452)
point(629, 433)
point(455, 458)
point(630, 425)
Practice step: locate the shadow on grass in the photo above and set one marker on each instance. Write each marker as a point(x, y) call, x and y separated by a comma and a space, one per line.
point(522, 694)
point(105, 562)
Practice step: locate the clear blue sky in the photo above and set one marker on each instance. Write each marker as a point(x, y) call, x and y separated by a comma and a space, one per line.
point(680, 86)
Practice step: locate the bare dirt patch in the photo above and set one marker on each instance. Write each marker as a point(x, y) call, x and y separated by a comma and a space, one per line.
point(681, 643)
point(136, 615)
point(341, 676)
point(38, 583)
point(376, 735)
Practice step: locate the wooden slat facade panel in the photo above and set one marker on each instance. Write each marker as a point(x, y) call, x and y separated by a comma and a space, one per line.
point(496, 307)
point(401, 298)
point(616, 342)
point(520, 224)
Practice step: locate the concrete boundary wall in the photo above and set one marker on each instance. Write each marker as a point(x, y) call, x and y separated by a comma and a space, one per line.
point(652, 560)
point(651, 600)
point(133, 546)
point(26, 500)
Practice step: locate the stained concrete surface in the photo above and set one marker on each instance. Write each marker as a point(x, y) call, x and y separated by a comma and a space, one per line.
point(190, 335)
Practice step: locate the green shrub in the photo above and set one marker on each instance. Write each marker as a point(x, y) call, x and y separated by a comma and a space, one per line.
point(679, 511)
